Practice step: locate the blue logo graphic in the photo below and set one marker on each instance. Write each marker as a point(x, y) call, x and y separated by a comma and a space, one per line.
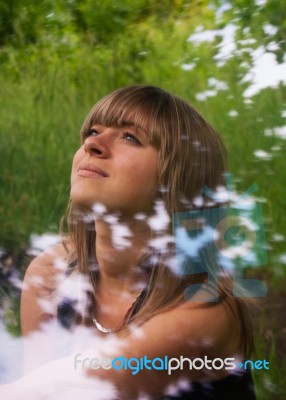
point(227, 238)
point(258, 364)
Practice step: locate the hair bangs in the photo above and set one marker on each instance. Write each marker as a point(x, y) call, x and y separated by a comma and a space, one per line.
point(134, 105)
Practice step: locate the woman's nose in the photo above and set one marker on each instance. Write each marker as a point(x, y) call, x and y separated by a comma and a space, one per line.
point(95, 145)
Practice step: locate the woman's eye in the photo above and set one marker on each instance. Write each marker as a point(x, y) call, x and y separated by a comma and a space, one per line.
point(91, 132)
point(131, 138)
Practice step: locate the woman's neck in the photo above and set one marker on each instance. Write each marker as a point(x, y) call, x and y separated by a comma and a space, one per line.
point(119, 246)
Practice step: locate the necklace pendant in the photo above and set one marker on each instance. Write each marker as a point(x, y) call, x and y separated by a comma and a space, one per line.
point(118, 328)
point(101, 328)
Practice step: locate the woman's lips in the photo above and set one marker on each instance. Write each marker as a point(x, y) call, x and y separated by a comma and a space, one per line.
point(91, 170)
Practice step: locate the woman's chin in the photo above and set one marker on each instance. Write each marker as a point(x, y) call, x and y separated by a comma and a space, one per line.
point(82, 199)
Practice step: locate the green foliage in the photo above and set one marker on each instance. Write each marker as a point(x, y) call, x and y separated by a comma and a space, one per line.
point(255, 16)
point(11, 317)
point(96, 22)
point(269, 384)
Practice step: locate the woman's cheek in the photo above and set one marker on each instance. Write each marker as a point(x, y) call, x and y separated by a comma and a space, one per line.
point(76, 162)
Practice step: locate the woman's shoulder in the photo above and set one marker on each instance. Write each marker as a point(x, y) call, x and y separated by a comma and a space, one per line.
point(212, 325)
point(48, 265)
point(193, 328)
point(41, 281)
point(190, 332)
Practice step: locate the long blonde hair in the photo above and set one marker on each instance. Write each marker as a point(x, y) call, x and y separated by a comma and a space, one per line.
point(191, 156)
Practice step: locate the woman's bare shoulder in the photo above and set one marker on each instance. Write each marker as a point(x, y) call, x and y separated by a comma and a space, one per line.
point(58, 251)
point(45, 270)
point(192, 328)
point(213, 325)
point(211, 319)
point(185, 332)
point(41, 281)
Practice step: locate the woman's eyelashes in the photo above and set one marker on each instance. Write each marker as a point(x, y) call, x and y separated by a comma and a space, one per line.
point(91, 132)
point(128, 136)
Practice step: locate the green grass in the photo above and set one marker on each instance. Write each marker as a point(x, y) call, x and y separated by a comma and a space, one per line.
point(270, 384)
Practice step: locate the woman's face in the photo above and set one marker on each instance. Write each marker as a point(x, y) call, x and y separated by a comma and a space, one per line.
point(116, 167)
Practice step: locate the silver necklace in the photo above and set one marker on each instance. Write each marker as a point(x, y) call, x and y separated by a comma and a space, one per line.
point(104, 330)
point(117, 329)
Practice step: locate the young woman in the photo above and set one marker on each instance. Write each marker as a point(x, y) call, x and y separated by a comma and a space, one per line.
point(118, 283)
